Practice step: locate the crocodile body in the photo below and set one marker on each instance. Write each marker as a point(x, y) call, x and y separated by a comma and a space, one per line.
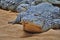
point(45, 14)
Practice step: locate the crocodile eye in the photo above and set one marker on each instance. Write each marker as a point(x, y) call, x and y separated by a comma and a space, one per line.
point(37, 14)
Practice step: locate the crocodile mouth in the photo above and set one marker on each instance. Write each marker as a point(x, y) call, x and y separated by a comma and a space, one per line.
point(31, 27)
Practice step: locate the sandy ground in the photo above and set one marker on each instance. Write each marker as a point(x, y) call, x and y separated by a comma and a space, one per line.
point(15, 32)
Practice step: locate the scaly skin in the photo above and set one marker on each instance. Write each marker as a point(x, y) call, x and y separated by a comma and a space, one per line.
point(44, 14)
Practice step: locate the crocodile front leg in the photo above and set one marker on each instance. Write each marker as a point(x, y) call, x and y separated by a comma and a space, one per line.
point(17, 20)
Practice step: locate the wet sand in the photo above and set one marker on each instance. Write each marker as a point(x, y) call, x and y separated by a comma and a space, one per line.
point(15, 32)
